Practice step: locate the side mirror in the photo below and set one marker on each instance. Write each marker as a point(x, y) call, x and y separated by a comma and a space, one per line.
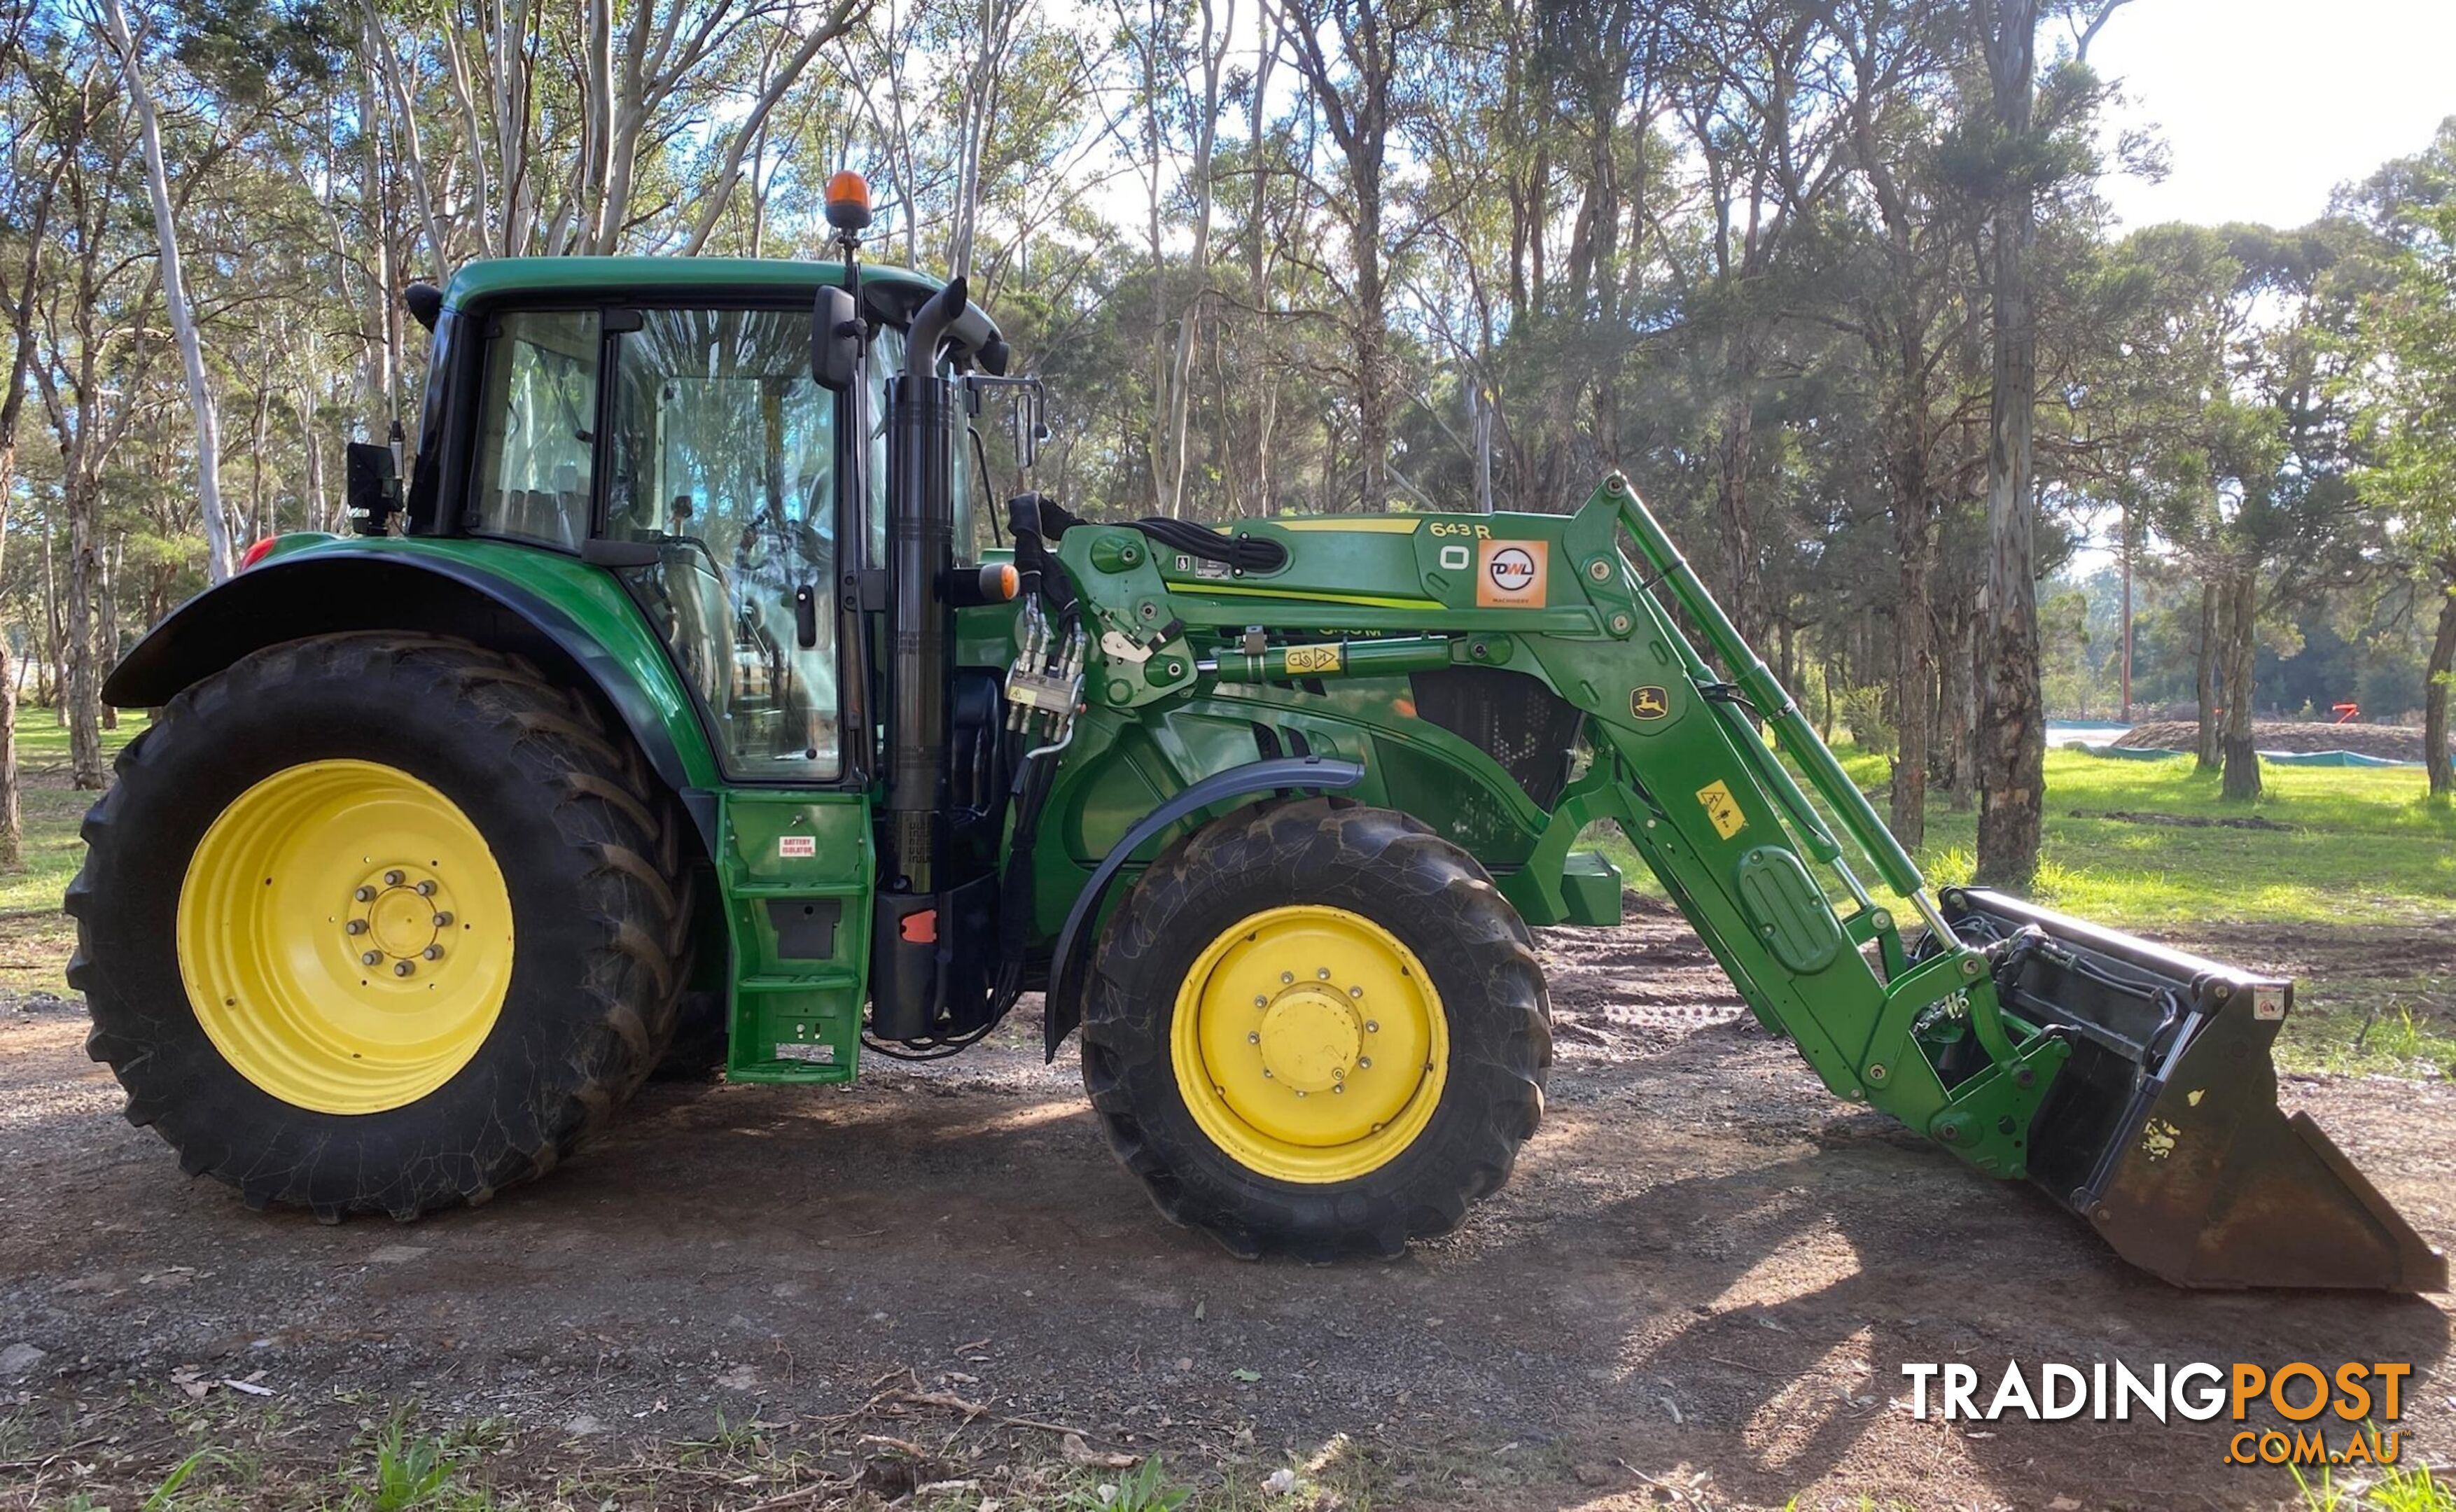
point(836, 340)
point(1026, 415)
point(372, 487)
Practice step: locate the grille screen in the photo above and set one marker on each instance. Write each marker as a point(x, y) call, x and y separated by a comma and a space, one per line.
point(1511, 718)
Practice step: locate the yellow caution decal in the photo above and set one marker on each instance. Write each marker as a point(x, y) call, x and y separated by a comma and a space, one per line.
point(1723, 809)
point(1307, 660)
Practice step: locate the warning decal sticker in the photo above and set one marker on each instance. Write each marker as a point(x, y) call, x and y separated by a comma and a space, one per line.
point(797, 845)
point(1312, 659)
point(1509, 574)
point(1723, 809)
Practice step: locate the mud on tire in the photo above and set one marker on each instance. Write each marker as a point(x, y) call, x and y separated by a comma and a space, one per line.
point(1396, 872)
point(588, 849)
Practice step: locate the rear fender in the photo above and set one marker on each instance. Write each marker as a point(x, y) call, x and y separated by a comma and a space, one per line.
point(572, 620)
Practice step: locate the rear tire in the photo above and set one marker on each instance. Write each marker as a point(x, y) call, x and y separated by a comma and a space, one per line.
point(586, 972)
point(1386, 906)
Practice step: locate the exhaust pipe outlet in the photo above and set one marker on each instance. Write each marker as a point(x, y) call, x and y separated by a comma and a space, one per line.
point(923, 420)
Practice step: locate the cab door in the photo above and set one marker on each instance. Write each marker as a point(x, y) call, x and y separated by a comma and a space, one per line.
point(721, 458)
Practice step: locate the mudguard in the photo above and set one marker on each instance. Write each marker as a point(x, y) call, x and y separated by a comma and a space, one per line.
point(564, 621)
point(1062, 1005)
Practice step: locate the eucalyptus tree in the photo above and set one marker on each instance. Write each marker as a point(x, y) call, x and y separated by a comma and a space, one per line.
point(2404, 379)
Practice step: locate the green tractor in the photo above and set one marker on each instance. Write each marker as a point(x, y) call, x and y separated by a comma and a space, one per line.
point(670, 713)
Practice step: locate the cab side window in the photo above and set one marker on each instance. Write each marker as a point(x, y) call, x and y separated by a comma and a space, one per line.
point(537, 427)
point(724, 459)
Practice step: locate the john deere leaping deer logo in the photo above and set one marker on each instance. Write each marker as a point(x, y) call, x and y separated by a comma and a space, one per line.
point(1649, 703)
point(1511, 573)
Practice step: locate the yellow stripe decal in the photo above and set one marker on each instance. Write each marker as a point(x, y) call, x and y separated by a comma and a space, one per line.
point(1309, 596)
point(1364, 525)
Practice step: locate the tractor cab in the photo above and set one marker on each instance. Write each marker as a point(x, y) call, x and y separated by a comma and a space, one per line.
point(664, 419)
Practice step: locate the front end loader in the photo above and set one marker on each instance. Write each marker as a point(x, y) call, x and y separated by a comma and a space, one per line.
point(674, 714)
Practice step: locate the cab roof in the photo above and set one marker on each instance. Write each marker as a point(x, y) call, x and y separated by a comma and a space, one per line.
point(600, 278)
point(891, 294)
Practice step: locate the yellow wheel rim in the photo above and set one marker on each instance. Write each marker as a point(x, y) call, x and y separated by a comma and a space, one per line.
point(1310, 1044)
point(345, 936)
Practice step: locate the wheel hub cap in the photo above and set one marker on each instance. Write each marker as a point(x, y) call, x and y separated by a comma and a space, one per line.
point(345, 936)
point(1310, 1040)
point(1310, 1044)
point(400, 919)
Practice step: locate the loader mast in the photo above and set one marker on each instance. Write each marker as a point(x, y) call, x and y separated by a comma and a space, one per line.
point(2132, 1081)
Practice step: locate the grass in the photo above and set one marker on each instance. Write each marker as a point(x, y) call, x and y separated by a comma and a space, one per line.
point(2353, 846)
point(2398, 1489)
point(34, 937)
point(2362, 844)
point(2340, 847)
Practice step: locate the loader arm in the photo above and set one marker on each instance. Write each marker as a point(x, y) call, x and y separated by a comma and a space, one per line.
point(2132, 1082)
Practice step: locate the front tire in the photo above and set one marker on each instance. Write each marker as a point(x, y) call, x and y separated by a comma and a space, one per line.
point(379, 923)
point(1316, 1027)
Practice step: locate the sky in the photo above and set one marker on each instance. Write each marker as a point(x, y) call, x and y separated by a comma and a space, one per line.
point(2267, 105)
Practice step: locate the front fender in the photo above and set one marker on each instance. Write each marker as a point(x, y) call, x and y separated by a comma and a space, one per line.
point(571, 619)
point(1062, 1005)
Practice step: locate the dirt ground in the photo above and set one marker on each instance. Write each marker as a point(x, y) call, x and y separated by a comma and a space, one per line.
point(1699, 1290)
point(2391, 741)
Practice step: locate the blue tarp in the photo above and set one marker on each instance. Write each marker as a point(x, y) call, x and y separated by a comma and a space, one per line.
point(2282, 758)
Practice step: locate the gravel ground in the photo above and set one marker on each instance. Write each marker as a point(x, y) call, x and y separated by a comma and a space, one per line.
point(1699, 1288)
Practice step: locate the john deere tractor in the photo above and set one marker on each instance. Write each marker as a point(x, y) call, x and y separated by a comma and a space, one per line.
point(692, 701)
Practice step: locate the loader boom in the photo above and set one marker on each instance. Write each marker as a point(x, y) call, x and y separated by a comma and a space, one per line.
point(2027, 1044)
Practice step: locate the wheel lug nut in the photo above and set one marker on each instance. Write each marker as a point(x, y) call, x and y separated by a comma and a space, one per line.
point(1287, 976)
point(355, 927)
point(364, 895)
point(1267, 1073)
point(402, 969)
point(1259, 1001)
point(1340, 1087)
point(1322, 973)
point(393, 879)
point(1373, 1025)
point(1364, 1063)
point(1356, 991)
point(370, 957)
point(433, 952)
point(443, 921)
point(1253, 1039)
point(426, 889)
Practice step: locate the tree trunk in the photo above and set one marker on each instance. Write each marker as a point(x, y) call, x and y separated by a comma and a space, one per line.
point(1373, 398)
point(2011, 725)
point(2242, 781)
point(1957, 648)
point(1732, 497)
point(1913, 641)
point(13, 822)
point(81, 685)
point(2204, 687)
point(2434, 700)
point(376, 376)
point(55, 643)
point(183, 325)
point(106, 609)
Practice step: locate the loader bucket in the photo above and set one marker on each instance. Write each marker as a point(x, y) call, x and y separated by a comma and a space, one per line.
point(2162, 1131)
